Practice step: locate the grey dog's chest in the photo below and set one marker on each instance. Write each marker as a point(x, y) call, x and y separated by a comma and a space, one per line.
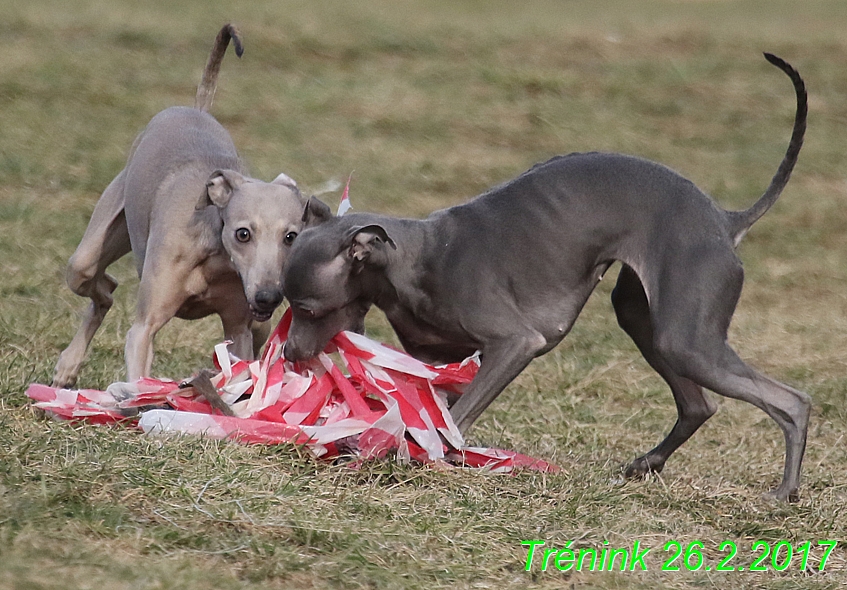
point(428, 342)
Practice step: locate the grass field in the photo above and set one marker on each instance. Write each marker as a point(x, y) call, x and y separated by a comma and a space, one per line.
point(429, 103)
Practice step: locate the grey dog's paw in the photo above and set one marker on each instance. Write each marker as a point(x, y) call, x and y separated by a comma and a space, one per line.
point(779, 495)
point(641, 468)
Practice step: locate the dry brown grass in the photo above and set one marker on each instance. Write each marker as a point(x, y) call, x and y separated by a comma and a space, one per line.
point(430, 103)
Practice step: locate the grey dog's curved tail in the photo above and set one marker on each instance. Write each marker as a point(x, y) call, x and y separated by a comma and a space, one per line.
point(206, 89)
point(741, 221)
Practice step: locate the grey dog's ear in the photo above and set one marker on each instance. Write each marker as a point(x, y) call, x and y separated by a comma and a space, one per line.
point(364, 240)
point(315, 212)
point(219, 188)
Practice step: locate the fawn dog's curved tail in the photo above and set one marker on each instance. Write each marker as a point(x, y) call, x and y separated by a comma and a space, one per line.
point(206, 89)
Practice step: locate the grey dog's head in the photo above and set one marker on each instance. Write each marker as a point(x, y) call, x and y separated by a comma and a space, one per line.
point(329, 280)
point(261, 220)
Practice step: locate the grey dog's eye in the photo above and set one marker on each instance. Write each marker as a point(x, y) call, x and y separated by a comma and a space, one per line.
point(289, 237)
point(309, 313)
point(242, 234)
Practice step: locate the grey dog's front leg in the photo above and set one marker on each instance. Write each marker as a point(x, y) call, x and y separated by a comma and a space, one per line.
point(502, 361)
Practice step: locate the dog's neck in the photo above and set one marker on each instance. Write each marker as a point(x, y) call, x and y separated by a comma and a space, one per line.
point(422, 323)
point(388, 284)
point(205, 228)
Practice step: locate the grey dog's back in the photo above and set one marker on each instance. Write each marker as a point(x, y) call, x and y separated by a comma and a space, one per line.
point(609, 205)
point(578, 189)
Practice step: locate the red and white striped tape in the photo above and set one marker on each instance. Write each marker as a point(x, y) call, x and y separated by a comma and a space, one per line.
point(383, 400)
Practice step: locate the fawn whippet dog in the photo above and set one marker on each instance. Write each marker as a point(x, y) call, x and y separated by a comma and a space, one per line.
point(206, 237)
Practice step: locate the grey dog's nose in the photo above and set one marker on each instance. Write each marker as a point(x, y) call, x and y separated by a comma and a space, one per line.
point(268, 299)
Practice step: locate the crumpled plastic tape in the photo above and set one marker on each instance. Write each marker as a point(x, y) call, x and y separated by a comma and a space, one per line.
point(384, 400)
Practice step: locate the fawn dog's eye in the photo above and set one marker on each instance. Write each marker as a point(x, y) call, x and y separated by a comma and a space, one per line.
point(242, 234)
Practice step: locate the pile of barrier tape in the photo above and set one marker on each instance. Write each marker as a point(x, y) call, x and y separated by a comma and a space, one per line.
point(384, 400)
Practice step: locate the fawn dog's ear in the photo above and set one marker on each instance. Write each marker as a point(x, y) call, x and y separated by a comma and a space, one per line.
point(219, 188)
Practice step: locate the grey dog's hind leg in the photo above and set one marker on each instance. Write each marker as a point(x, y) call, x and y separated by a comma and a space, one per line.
point(691, 305)
point(106, 240)
point(725, 373)
point(693, 407)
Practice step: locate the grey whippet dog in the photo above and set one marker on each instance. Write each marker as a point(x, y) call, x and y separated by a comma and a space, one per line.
point(206, 237)
point(508, 272)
